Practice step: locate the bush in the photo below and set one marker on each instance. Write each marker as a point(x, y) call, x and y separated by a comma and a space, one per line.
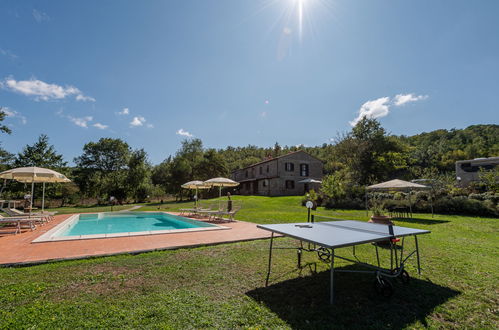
point(464, 205)
point(312, 196)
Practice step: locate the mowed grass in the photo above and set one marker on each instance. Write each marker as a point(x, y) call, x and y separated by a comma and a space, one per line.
point(90, 209)
point(223, 286)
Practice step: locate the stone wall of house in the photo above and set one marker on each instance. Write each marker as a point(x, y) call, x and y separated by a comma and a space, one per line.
point(277, 177)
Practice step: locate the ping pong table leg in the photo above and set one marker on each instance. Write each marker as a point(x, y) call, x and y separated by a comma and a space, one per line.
point(377, 255)
point(270, 259)
point(417, 253)
point(331, 294)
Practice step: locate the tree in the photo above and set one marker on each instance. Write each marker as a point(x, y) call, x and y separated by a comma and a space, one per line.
point(40, 154)
point(105, 155)
point(333, 186)
point(6, 158)
point(3, 128)
point(369, 153)
point(490, 179)
point(211, 165)
point(161, 175)
point(138, 178)
point(101, 169)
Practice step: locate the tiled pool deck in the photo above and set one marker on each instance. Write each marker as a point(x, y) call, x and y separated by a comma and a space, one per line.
point(19, 249)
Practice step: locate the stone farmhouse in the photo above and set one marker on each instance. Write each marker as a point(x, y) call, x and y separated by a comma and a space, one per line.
point(280, 176)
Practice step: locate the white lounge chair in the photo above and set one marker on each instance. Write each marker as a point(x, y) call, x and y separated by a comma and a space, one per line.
point(19, 222)
point(230, 214)
point(45, 216)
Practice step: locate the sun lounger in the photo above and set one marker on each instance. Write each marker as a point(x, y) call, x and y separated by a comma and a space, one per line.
point(229, 214)
point(193, 211)
point(19, 222)
point(45, 216)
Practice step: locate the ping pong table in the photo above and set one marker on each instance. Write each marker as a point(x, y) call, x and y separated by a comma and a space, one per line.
point(324, 237)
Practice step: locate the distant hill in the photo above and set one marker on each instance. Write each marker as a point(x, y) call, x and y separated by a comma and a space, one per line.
point(439, 149)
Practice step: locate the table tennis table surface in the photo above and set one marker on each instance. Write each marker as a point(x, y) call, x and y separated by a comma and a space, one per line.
point(338, 234)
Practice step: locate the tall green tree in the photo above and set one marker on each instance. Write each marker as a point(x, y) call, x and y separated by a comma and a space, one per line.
point(211, 165)
point(41, 154)
point(369, 153)
point(138, 180)
point(3, 128)
point(101, 169)
point(105, 155)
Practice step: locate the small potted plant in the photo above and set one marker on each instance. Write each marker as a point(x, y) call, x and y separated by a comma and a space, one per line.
point(379, 214)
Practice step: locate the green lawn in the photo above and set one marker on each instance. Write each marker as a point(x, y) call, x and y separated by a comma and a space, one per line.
point(89, 209)
point(223, 286)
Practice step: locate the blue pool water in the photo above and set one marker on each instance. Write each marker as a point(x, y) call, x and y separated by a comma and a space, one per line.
point(110, 223)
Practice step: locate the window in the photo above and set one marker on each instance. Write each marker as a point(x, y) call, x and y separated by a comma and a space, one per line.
point(290, 184)
point(246, 173)
point(261, 170)
point(268, 168)
point(289, 167)
point(303, 169)
point(265, 183)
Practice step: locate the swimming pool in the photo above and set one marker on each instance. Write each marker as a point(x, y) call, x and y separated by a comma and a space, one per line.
point(119, 224)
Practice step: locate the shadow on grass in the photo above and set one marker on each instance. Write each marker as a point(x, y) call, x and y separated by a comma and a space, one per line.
point(303, 302)
point(420, 221)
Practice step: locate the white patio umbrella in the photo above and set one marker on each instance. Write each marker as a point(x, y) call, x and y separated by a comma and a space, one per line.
point(398, 185)
point(309, 180)
point(195, 185)
point(221, 182)
point(33, 175)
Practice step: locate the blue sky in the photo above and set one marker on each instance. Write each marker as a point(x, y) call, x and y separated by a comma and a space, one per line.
point(242, 72)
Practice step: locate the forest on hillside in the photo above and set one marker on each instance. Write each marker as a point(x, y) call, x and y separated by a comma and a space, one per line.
point(367, 154)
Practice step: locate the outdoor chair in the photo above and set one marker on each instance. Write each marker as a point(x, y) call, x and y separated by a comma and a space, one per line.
point(194, 211)
point(48, 216)
point(229, 214)
point(19, 222)
point(42, 218)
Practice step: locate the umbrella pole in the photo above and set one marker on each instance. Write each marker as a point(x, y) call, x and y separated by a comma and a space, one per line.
point(196, 199)
point(367, 203)
point(410, 203)
point(43, 198)
point(31, 199)
point(431, 203)
point(219, 197)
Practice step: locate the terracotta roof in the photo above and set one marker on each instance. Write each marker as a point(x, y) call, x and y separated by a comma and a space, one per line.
point(271, 159)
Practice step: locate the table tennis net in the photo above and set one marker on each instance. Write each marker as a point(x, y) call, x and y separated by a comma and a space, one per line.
point(378, 229)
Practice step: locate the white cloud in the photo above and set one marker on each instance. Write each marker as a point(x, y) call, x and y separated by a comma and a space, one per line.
point(373, 109)
point(42, 90)
point(150, 126)
point(40, 16)
point(8, 53)
point(263, 114)
point(81, 97)
point(123, 112)
point(381, 107)
point(14, 114)
point(183, 132)
point(80, 121)
point(402, 99)
point(100, 126)
point(138, 121)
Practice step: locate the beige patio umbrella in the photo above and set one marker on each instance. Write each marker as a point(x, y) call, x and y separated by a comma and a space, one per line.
point(195, 185)
point(33, 175)
point(398, 185)
point(221, 182)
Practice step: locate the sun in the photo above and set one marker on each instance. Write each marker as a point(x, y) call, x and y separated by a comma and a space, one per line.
point(299, 6)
